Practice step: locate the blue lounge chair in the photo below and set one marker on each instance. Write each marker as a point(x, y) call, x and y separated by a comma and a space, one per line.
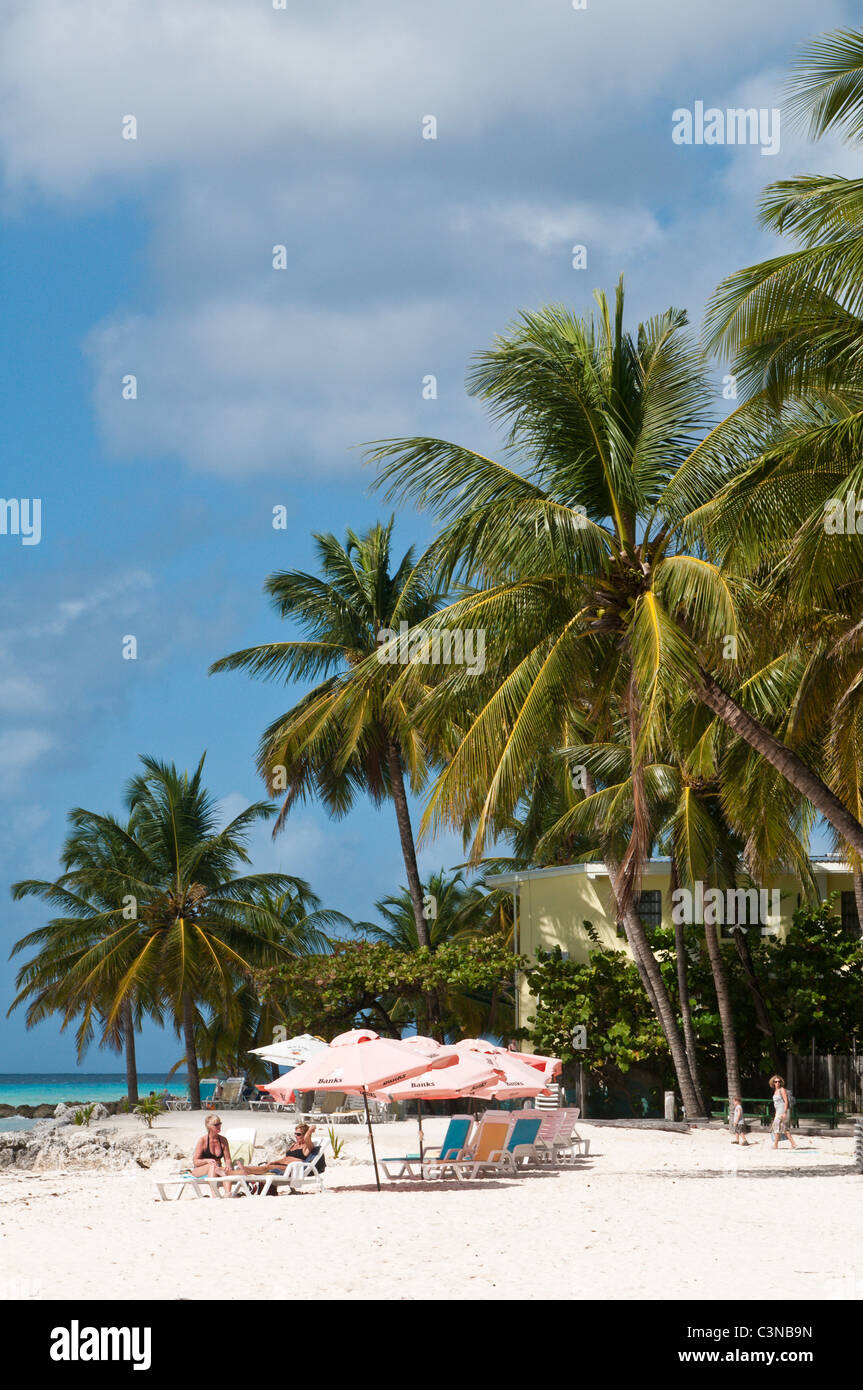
point(453, 1146)
point(500, 1149)
point(207, 1089)
point(521, 1144)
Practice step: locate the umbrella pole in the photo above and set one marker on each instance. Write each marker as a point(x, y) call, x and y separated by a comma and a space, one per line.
point(420, 1123)
point(371, 1138)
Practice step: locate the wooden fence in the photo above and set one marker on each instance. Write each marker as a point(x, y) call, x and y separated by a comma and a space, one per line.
point(816, 1077)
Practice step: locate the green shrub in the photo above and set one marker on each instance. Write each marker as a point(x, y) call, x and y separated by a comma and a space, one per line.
point(148, 1109)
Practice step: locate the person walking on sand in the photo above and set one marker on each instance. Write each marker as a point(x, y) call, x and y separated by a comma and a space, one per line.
point(782, 1112)
point(738, 1129)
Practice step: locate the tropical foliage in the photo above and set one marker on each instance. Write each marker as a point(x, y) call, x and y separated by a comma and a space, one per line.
point(359, 983)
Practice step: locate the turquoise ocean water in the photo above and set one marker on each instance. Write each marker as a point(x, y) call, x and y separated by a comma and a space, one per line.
point(49, 1088)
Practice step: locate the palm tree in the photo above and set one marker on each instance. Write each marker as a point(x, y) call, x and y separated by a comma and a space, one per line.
point(179, 927)
point(595, 556)
point(350, 732)
point(60, 977)
point(592, 570)
point(793, 328)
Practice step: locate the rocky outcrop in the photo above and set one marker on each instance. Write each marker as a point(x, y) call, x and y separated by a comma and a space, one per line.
point(47, 1111)
point(45, 1148)
point(65, 1113)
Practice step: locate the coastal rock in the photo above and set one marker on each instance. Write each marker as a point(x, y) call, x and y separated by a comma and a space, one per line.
point(65, 1113)
point(82, 1148)
point(12, 1146)
point(275, 1146)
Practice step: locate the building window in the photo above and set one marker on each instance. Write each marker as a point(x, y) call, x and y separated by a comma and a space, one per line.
point(648, 905)
point(850, 920)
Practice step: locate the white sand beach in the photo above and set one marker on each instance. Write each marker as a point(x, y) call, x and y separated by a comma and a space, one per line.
point(649, 1214)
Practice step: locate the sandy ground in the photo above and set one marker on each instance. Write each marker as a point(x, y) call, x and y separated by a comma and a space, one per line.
point(649, 1214)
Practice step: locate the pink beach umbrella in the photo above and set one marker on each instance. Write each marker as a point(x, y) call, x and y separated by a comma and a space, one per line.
point(469, 1073)
point(549, 1066)
point(516, 1079)
point(362, 1063)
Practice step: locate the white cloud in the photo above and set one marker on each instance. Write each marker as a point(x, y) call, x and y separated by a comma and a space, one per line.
point(20, 692)
point(303, 127)
point(19, 750)
point(238, 386)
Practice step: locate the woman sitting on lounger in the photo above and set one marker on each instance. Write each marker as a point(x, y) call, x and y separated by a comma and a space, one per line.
point(212, 1156)
point(303, 1149)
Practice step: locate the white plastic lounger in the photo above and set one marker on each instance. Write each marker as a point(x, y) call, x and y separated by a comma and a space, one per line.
point(186, 1182)
point(297, 1177)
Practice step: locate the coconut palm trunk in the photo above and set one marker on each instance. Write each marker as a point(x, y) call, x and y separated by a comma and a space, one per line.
point(726, 1017)
point(685, 1006)
point(191, 1053)
point(654, 985)
point(858, 897)
point(397, 784)
point(128, 1026)
point(759, 1003)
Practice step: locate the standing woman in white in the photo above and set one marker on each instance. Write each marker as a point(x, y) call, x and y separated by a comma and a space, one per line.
point(782, 1112)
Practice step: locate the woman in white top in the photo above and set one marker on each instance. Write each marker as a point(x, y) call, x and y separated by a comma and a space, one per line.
point(781, 1112)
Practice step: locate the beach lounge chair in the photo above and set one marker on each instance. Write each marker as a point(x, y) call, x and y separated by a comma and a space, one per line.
point(172, 1189)
point(232, 1093)
point(521, 1145)
point(324, 1105)
point(486, 1153)
point(554, 1143)
point(305, 1177)
point(207, 1087)
point(569, 1140)
point(453, 1146)
point(241, 1142)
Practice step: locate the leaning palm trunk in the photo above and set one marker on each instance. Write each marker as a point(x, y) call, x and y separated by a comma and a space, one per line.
point(397, 783)
point(128, 1026)
point(858, 897)
point(191, 1054)
point(726, 1017)
point(762, 1013)
point(787, 763)
point(654, 985)
point(686, 1014)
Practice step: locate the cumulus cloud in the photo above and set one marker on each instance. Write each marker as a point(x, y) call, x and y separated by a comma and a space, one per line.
point(259, 127)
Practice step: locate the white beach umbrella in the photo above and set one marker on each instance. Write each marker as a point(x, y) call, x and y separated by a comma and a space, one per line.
point(290, 1052)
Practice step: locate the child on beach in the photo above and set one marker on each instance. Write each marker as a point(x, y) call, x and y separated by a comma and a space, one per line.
point(738, 1128)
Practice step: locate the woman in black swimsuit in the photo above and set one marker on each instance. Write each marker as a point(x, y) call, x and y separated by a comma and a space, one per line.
point(301, 1151)
point(212, 1155)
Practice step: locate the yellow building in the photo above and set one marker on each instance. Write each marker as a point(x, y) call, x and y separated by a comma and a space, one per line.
point(552, 905)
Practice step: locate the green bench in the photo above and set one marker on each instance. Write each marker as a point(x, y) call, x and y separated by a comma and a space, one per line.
point(757, 1108)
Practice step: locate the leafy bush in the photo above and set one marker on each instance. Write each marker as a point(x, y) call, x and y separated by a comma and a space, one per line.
point(84, 1115)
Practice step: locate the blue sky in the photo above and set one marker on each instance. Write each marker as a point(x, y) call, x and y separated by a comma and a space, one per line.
point(300, 127)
